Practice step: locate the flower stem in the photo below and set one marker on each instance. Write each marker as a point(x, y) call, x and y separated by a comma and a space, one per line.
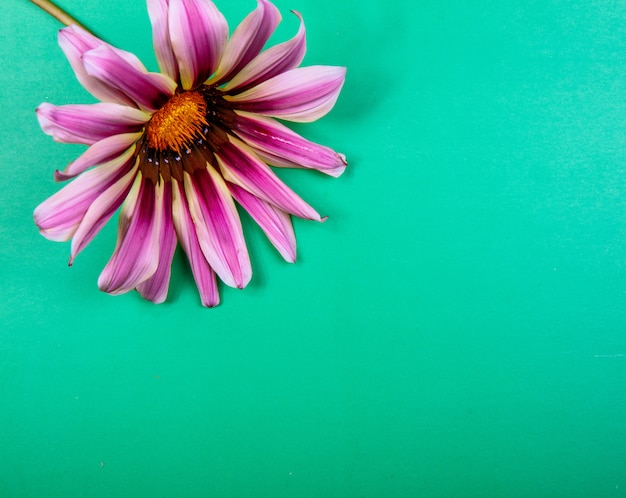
point(58, 13)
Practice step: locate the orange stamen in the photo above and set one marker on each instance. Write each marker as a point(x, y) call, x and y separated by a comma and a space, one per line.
point(178, 122)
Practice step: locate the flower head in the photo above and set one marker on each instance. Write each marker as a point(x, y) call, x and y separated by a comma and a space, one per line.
point(178, 149)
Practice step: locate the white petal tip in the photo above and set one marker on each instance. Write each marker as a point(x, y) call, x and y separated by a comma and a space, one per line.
point(59, 176)
point(211, 304)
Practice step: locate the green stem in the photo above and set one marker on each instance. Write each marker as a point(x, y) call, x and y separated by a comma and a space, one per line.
point(58, 13)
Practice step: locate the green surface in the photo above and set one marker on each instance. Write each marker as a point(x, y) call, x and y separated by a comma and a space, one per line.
point(456, 329)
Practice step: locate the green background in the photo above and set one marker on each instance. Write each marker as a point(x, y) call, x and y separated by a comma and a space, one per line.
point(456, 329)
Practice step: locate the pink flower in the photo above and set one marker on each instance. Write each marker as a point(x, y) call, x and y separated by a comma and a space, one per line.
point(178, 149)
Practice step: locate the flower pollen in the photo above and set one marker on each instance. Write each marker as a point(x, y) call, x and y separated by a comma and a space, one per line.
point(178, 122)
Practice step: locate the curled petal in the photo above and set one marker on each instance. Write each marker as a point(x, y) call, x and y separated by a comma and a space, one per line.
point(136, 255)
point(273, 221)
point(100, 152)
point(155, 288)
point(100, 211)
point(89, 123)
point(271, 62)
point(239, 165)
point(218, 226)
point(85, 41)
point(58, 217)
point(75, 41)
point(186, 232)
point(247, 40)
point(280, 146)
point(149, 90)
point(158, 12)
point(302, 94)
point(198, 33)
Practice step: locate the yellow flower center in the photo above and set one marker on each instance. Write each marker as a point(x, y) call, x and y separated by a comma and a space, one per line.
point(178, 122)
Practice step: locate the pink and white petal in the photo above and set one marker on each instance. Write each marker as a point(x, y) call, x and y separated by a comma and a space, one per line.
point(303, 94)
point(58, 216)
point(275, 222)
point(75, 41)
point(271, 62)
point(203, 274)
point(136, 255)
point(158, 12)
point(85, 41)
point(149, 90)
point(240, 166)
point(247, 40)
point(100, 152)
point(155, 288)
point(100, 211)
point(198, 33)
point(89, 123)
point(218, 226)
point(280, 146)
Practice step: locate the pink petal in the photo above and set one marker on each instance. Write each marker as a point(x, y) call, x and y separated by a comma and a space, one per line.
point(247, 40)
point(198, 33)
point(100, 211)
point(85, 41)
point(100, 152)
point(89, 123)
point(149, 90)
point(136, 256)
point(240, 166)
point(158, 12)
point(280, 146)
point(303, 94)
point(155, 288)
point(275, 223)
point(58, 217)
point(186, 231)
point(75, 41)
point(271, 62)
point(218, 226)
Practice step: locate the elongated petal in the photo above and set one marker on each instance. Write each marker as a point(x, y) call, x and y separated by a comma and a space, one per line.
point(158, 12)
point(100, 211)
point(198, 33)
point(303, 94)
point(85, 41)
point(218, 226)
point(273, 221)
point(186, 232)
point(247, 40)
point(155, 288)
point(136, 256)
point(280, 146)
point(89, 123)
point(271, 62)
point(149, 90)
point(100, 152)
point(240, 166)
point(75, 41)
point(59, 216)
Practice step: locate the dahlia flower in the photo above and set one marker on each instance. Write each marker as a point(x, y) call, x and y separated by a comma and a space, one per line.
point(177, 150)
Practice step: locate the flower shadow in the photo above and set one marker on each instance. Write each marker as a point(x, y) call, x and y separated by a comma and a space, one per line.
point(366, 41)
